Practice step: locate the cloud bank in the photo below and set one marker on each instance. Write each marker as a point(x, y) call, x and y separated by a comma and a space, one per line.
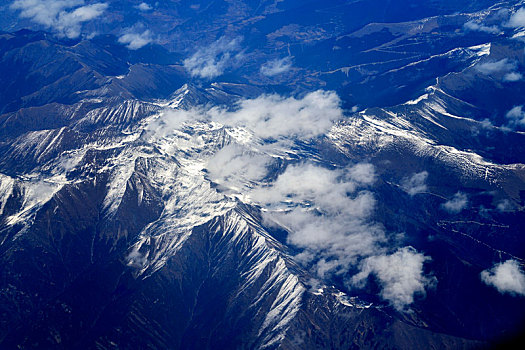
point(273, 116)
point(506, 277)
point(65, 17)
point(211, 61)
point(326, 211)
point(267, 116)
point(328, 215)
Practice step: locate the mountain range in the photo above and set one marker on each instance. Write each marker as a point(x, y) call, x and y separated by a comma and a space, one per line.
point(262, 174)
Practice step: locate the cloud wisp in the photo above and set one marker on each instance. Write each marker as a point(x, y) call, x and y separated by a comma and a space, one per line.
point(400, 274)
point(237, 167)
point(489, 68)
point(512, 76)
point(456, 204)
point(517, 19)
point(507, 277)
point(515, 117)
point(415, 184)
point(504, 68)
point(65, 17)
point(211, 61)
point(136, 37)
point(276, 67)
point(505, 206)
point(479, 27)
point(144, 7)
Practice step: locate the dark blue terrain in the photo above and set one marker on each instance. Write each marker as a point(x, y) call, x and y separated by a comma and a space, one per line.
point(117, 231)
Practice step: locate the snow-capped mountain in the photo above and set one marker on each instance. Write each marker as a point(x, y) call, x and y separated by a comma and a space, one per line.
point(327, 175)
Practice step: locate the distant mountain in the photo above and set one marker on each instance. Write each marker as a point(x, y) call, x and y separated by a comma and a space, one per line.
point(263, 175)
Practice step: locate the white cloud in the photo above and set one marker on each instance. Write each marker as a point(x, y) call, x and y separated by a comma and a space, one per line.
point(361, 173)
point(415, 184)
point(455, 205)
point(516, 117)
point(277, 66)
point(477, 27)
point(272, 116)
point(503, 68)
point(143, 7)
point(136, 259)
point(65, 17)
point(517, 19)
point(172, 119)
point(489, 68)
point(134, 38)
point(512, 76)
point(507, 277)
point(326, 212)
point(400, 275)
point(505, 206)
point(486, 123)
point(44, 12)
point(236, 166)
point(267, 116)
point(308, 183)
point(211, 61)
point(69, 23)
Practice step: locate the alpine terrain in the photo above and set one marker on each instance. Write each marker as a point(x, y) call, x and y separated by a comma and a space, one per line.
point(262, 174)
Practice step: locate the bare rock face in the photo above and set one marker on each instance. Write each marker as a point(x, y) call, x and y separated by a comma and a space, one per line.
point(327, 175)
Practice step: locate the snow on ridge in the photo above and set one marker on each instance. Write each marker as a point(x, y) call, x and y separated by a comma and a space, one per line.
point(36, 191)
point(369, 131)
point(417, 100)
point(6, 189)
point(233, 229)
point(122, 113)
point(285, 286)
point(373, 133)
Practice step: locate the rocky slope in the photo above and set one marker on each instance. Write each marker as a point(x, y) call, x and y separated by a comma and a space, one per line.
point(142, 206)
